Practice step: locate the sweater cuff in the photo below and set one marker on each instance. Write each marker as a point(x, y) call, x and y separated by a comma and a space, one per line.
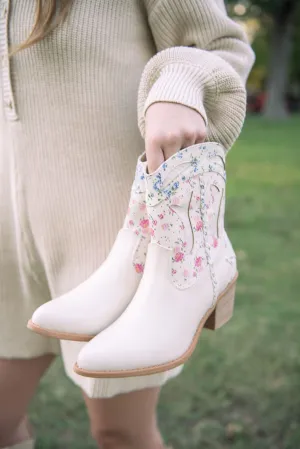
point(178, 83)
point(200, 80)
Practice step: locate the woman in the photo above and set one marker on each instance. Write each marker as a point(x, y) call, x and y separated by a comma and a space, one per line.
point(69, 144)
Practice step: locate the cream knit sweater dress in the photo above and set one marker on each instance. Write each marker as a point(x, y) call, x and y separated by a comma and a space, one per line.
point(69, 140)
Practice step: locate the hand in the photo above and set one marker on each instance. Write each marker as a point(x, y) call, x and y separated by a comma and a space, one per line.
point(169, 128)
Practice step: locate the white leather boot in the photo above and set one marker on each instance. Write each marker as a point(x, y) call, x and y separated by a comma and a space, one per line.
point(92, 306)
point(190, 272)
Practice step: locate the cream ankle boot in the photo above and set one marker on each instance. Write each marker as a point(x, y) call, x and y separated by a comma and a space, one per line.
point(190, 272)
point(92, 306)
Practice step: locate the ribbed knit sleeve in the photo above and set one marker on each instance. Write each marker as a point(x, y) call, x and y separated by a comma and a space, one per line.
point(203, 61)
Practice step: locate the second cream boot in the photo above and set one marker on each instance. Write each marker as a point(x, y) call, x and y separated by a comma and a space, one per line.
point(92, 306)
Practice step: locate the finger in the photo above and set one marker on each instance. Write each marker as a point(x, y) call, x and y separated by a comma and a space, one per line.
point(201, 136)
point(169, 150)
point(172, 143)
point(155, 155)
point(190, 138)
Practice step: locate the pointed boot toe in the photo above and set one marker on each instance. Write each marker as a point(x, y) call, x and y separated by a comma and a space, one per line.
point(100, 349)
point(190, 272)
point(49, 320)
point(117, 353)
point(100, 300)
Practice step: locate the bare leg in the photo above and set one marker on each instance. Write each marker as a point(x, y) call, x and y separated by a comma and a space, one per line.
point(126, 421)
point(18, 382)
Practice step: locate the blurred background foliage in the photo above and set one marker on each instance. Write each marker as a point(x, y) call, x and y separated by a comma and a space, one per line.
point(273, 27)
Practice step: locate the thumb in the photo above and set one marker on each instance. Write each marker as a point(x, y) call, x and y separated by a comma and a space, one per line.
point(155, 156)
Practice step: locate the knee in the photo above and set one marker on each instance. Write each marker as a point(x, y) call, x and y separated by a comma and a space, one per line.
point(120, 438)
point(114, 438)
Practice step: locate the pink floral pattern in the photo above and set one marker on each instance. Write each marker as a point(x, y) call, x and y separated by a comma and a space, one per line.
point(199, 225)
point(139, 267)
point(184, 209)
point(198, 262)
point(144, 223)
point(178, 257)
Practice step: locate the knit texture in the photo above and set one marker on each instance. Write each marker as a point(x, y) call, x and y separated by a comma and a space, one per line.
point(69, 139)
point(203, 63)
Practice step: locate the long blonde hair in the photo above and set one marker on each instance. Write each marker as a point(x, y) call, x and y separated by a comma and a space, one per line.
point(49, 14)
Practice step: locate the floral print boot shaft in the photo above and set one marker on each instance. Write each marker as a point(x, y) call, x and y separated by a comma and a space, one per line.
point(137, 219)
point(184, 201)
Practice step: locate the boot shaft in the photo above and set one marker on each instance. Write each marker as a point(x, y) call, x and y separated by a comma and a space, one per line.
point(137, 218)
point(186, 204)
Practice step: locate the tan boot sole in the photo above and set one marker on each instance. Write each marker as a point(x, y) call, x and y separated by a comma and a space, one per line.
point(215, 318)
point(59, 335)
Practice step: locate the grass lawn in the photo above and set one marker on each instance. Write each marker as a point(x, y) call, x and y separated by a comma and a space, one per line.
point(241, 389)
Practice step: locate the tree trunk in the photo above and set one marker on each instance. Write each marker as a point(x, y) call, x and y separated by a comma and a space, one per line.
point(275, 106)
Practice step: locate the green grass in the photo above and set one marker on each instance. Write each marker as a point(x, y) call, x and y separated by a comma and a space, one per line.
point(241, 388)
